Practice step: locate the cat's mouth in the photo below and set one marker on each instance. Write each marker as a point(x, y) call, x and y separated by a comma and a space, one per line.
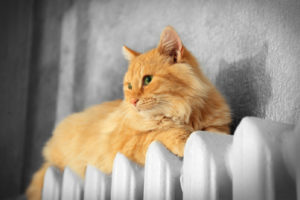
point(143, 107)
point(145, 104)
point(152, 109)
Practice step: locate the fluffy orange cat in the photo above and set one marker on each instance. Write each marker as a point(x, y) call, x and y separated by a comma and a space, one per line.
point(166, 98)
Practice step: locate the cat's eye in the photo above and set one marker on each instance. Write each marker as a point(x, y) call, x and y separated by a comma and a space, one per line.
point(147, 79)
point(129, 86)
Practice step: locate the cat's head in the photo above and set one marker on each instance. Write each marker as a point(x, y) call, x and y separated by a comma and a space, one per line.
point(165, 81)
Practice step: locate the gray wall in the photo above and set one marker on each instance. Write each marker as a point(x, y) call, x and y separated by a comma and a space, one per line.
point(15, 41)
point(249, 49)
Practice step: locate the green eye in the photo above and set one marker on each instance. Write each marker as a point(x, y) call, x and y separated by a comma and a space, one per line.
point(129, 86)
point(147, 80)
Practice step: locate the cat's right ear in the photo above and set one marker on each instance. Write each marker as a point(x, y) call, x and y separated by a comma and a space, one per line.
point(129, 54)
point(170, 44)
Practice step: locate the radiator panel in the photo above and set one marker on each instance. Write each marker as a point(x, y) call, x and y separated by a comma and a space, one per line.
point(205, 173)
point(260, 161)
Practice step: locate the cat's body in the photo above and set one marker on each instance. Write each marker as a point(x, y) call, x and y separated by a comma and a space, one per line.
point(166, 98)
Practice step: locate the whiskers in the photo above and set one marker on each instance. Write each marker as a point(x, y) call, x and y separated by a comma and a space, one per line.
point(154, 106)
point(146, 103)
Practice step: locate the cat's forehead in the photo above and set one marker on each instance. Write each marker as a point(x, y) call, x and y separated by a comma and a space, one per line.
point(147, 59)
point(139, 69)
point(145, 64)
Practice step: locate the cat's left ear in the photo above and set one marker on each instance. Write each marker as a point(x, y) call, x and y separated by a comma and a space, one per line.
point(129, 54)
point(170, 44)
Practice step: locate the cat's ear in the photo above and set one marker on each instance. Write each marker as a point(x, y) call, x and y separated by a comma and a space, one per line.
point(129, 54)
point(170, 44)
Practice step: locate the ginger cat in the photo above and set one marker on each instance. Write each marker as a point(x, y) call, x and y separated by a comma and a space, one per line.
point(166, 98)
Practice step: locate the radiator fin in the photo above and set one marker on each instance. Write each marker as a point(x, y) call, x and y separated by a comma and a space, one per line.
point(162, 174)
point(72, 186)
point(97, 185)
point(127, 179)
point(52, 184)
point(205, 175)
point(256, 162)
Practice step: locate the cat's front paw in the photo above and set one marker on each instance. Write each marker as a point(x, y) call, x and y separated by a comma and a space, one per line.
point(176, 142)
point(179, 150)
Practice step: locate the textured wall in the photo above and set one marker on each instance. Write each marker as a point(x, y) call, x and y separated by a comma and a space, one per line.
point(249, 49)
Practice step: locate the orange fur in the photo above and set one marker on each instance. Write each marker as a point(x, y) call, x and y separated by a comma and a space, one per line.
point(178, 100)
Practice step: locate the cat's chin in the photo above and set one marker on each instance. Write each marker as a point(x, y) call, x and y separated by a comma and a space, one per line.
point(148, 113)
point(154, 115)
point(145, 111)
point(137, 109)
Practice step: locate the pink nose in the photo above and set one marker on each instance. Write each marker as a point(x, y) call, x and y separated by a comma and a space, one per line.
point(134, 101)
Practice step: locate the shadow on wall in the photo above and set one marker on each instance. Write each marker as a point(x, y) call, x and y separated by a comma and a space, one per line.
point(246, 86)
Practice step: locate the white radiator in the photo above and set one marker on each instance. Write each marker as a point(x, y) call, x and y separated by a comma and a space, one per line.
point(260, 162)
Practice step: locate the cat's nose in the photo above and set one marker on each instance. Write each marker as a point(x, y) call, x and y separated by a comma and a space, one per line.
point(134, 101)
